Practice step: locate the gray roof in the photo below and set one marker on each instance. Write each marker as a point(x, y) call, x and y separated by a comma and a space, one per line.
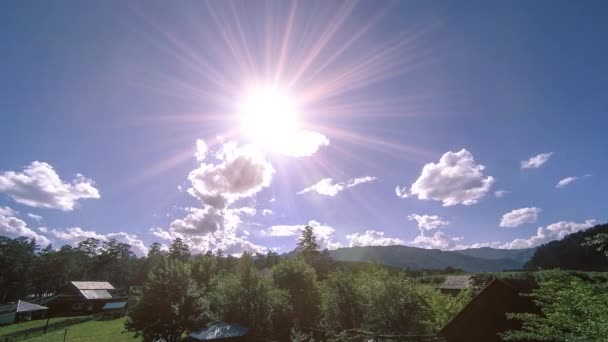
point(456, 282)
point(25, 306)
point(95, 294)
point(93, 285)
point(219, 331)
point(114, 305)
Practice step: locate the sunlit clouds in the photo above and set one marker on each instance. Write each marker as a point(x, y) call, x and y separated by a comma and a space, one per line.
point(39, 185)
point(455, 179)
point(517, 217)
point(328, 187)
point(537, 161)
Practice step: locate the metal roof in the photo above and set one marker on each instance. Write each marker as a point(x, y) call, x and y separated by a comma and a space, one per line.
point(114, 305)
point(219, 331)
point(95, 294)
point(456, 282)
point(25, 306)
point(93, 285)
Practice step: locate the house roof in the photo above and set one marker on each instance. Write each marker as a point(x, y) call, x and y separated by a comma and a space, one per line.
point(114, 305)
point(25, 306)
point(93, 285)
point(219, 331)
point(456, 282)
point(95, 294)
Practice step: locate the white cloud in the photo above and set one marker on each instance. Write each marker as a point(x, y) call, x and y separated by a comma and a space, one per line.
point(35, 217)
point(223, 176)
point(401, 191)
point(501, 193)
point(428, 222)
point(302, 143)
point(13, 227)
point(455, 179)
point(40, 186)
point(74, 235)
point(372, 238)
point(439, 240)
point(329, 187)
point(323, 233)
point(536, 161)
point(562, 183)
point(517, 217)
point(6, 211)
point(272, 200)
point(241, 172)
point(266, 212)
point(552, 232)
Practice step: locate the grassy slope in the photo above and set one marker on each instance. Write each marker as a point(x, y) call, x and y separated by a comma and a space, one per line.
point(31, 324)
point(92, 331)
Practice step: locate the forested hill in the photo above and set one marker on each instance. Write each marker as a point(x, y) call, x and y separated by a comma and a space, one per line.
point(571, 253)
point(469, 260)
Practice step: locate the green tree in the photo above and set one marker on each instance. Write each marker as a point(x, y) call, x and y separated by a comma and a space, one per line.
point(179, 250)
point(299, 280)
point(340, 304)
point(170, 304)
point(571, 310)
point(441, 307)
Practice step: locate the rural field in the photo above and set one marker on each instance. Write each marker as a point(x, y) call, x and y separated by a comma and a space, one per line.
point(93, 331)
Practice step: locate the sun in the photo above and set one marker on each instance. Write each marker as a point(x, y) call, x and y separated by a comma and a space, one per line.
point(268, 116)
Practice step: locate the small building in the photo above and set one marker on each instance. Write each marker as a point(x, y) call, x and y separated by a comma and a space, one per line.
point(82, 298)
point(221, 332)
point(20, 312)
point(453, 285)
point(113, 310)
point(484, 317)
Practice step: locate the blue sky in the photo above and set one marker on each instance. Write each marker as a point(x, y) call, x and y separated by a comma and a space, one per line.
point(102, 104)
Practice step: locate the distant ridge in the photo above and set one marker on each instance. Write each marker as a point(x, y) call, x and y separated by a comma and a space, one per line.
point(470, 260)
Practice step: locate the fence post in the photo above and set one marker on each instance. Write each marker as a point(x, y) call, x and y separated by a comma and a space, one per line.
point(47, 323)
point(65, 334)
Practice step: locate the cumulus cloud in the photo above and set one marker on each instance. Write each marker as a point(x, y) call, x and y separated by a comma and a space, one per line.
point(302, 143)
point(266, 212)
point(536, 161)
point(562, 183)
point(40, 186)
point(428, 222)
point(13, 227)
point(224, 175)
point(551, 232)
point(323, 233)
point(241, 172)
point(372, 238)
point(439, 240)
point(455, 179)
point(501, 193)
point(401, 191)
point(329, 187)
point(517, 217)
point(74, 235)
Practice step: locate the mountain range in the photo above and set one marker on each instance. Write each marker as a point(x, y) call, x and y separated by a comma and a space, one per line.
point(469, 260)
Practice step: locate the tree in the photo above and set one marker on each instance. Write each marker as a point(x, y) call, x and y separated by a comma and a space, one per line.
point(170, 304)
point(300, 281)
point(179, 250)
point(599, 241)
point(571, 310)
point(441, 307)
point(308, 249)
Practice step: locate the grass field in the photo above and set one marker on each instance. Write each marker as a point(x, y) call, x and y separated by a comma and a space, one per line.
point(91, 331)
point(31, 324)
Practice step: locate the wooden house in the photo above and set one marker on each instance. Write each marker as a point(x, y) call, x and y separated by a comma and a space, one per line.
point(82, 298)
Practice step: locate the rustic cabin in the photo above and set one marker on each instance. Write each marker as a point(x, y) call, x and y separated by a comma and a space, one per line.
point(20, 312)
point(222, 332)
point(113, 310)
point(453, 285)
point(82, 298)
point(484, 317)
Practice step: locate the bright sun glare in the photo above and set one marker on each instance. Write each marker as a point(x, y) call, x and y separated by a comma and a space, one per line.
point(268, 116)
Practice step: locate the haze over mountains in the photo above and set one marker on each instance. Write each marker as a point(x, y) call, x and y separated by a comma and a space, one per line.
point(470, 260)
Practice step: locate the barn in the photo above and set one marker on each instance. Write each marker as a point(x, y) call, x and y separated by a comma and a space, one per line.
point(82, 298)
point(484, 317)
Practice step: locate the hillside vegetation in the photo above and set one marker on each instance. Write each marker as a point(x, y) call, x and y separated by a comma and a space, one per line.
point(571, 253)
